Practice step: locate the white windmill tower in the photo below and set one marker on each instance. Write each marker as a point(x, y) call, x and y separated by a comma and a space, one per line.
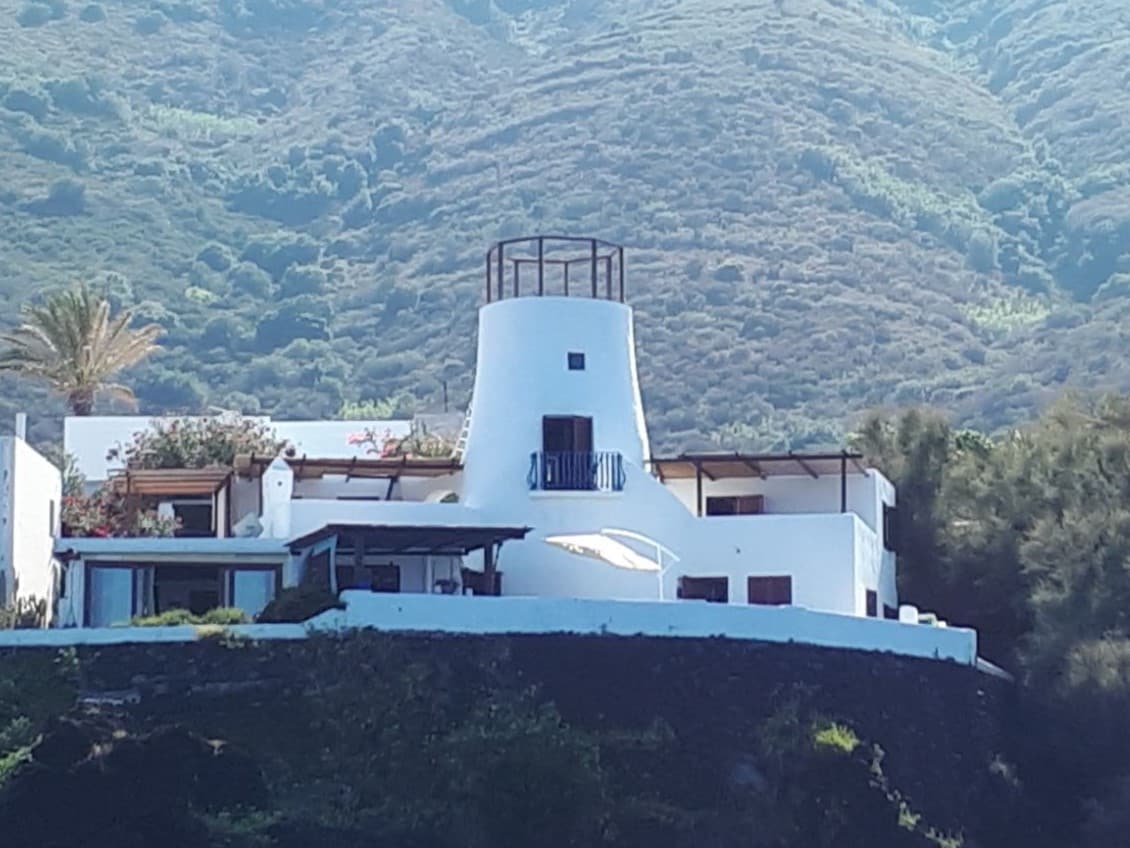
point(556, 437)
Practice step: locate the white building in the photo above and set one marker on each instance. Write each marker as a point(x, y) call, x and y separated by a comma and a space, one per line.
point(552, 491)
point(30, 498)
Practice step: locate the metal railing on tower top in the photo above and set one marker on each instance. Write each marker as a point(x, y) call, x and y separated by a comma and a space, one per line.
point(557, 266)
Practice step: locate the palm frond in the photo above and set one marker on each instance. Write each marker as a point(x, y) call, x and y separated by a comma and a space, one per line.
point(74, 342)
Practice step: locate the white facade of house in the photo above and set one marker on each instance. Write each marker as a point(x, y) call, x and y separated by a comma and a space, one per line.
point(30, 502)
point(554, 458)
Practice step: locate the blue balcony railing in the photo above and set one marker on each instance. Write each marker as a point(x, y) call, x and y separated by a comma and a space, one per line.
point(576, 471)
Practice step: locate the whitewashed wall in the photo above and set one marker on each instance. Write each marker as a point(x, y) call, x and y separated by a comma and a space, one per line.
point(818, 551)
point(469, 615)
point(459, 614)
point(796, 494)
point(30, 507)
point(522, 375)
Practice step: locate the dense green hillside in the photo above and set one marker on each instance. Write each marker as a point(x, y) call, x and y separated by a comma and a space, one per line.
point(829, 205)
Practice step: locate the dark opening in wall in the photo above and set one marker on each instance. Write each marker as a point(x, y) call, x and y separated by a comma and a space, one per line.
point(712, 589)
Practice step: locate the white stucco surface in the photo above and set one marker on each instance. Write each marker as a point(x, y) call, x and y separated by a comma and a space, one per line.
point(30, 505)
point(522, 374)
point(460, 614)
point(310, 515)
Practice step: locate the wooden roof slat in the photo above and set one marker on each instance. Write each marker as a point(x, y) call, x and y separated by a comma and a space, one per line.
point(800, 460)
point(729, 465)
point(359, 467)
point(389, 539)
point(171, 481)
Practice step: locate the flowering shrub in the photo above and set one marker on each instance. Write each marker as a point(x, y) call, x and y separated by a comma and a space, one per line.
point(418, 443)
point(104, 513)
point(197, 443)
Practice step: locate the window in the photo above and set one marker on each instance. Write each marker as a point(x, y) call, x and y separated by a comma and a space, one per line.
point(567, 461)
point(770, 591)
point(374, 578)
point(195, 519)
point(576, 361)
point(872, 603)
point(566, 434)
point(736, 505)
point(890, 527)
point(715, 590)
point(196, 588)
point(890, 613)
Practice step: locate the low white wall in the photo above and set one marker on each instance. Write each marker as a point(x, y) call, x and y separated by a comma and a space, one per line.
point(461, 614)
point(470, 615)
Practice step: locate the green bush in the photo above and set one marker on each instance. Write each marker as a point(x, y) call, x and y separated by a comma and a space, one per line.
point(304, 317)
point(80, 97)
point(29, 101)
point(215, 256)
point(66, 197)
point(221, 616)
point(197, 443)
point(299, 280)
point(34, 15)
point(92, 13)
point(249, 279)
point(149, 24)
point(24, 614)
point(275, 254)
point(51, 146)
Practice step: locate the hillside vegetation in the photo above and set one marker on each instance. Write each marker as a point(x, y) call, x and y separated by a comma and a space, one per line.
point(828, 205)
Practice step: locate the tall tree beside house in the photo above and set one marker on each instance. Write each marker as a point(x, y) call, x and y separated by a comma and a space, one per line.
point(74, 343)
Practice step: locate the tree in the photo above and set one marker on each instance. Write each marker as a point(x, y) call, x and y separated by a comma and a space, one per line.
point(73, 342)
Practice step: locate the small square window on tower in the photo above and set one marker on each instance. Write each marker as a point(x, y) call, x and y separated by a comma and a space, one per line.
point(576, 362)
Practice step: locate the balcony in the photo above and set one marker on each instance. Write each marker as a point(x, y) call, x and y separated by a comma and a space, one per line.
point(576, 471)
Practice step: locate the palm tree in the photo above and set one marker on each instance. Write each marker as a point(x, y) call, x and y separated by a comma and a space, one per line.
point(75, 344)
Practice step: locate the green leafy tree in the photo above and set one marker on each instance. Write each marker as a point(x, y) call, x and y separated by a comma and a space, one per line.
point(74, 343)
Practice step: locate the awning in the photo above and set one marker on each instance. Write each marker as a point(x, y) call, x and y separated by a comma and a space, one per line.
point(722, 466)
point(169, 482)
point(232, 551)
point(419, 539)
point(382, 468)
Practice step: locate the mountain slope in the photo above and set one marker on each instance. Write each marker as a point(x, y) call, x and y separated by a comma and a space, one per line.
point(827, 205)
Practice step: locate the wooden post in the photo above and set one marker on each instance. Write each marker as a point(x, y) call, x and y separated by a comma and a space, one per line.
point(541, 266)
point(843, 481)
point(488, 569)
point(698, 486)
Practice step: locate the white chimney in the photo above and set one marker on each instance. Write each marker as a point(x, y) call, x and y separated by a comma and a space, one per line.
point(21, 426)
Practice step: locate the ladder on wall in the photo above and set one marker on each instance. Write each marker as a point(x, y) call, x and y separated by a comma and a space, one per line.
point(461, 442)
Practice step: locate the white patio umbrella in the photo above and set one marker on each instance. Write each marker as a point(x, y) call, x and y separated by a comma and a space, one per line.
point(605, 547)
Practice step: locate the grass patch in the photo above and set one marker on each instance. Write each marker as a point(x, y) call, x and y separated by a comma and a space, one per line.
point(836, 737)
point(190, 125)
point(1005, 314)
point(222, 617)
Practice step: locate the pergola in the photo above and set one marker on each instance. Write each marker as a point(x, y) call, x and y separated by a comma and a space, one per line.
point(730, 466)
point(427, 540)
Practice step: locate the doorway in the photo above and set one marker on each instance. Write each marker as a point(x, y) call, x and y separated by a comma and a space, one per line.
point(567, 456)
point(566, 434)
